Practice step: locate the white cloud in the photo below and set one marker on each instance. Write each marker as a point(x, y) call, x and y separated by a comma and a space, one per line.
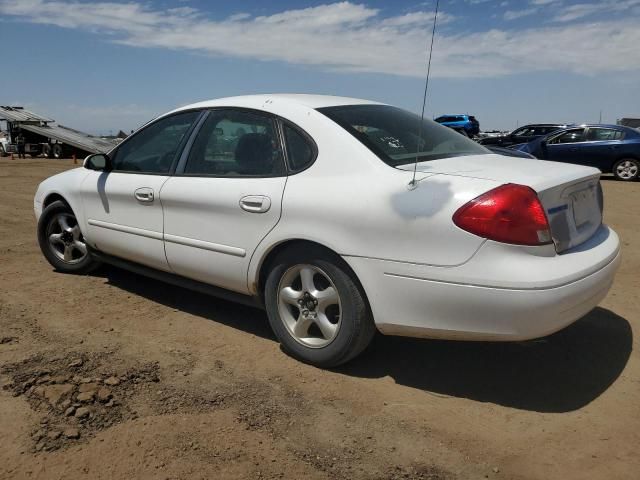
point(544, 2)
point(581, 10)
point(514, 14)
point(417, 19)
point(349, 37)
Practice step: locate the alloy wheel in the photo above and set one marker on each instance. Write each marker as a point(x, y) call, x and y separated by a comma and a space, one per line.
point(627, 170)
point(65, 239)
point(309, 305)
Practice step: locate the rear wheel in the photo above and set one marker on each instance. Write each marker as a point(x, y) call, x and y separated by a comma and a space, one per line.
point(316, 308)
point(57, 151)
point(626, 169)
point(61, 240)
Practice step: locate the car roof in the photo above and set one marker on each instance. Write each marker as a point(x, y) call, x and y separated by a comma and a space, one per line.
point(279, 100)
point(603, 125)
point(546, 125)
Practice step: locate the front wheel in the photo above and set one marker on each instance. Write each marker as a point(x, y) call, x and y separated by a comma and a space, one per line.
point(61, 240)
point(626, 169)
point(317, 309)
point(46, 151)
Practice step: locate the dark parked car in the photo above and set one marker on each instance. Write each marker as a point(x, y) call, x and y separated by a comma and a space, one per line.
point(468, 122)
point(611, 148)
point(523, 134)
point(509, 152)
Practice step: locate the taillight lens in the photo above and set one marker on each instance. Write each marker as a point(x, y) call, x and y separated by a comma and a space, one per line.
point(509, 213)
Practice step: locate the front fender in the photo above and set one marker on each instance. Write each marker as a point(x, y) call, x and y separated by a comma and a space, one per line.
point(66, 185)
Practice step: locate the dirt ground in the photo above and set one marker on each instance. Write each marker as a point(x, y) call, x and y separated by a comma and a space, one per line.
point(117, 376)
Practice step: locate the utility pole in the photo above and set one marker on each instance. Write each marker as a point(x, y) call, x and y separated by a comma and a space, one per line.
point(600, 121)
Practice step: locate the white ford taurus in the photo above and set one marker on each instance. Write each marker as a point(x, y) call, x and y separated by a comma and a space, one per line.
point(308, 205)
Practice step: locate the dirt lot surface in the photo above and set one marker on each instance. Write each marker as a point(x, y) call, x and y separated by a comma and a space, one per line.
point(116, 376)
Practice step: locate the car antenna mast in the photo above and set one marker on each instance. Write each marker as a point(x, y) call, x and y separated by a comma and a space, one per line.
point(413, 184)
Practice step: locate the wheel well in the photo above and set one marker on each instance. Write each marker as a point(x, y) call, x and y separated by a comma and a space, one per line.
point(53, 198)
point(267, 263)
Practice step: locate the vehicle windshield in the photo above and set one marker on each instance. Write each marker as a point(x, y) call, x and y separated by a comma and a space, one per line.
point(396, 136)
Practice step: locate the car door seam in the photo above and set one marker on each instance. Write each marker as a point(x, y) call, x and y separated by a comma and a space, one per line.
point(284, 189)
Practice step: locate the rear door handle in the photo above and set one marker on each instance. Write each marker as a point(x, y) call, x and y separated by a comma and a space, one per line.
point(255, 203)
point(144, 194)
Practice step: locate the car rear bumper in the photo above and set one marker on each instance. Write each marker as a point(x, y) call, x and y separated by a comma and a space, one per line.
point(414, 302)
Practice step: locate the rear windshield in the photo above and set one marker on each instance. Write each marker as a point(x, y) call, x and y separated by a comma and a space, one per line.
point(397, 137)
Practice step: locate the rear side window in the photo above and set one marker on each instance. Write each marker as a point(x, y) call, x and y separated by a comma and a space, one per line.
point(449, 119)
point(236, 143)
point(300, 153)
point(604, 134)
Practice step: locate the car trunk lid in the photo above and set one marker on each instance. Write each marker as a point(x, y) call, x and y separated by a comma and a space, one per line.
point(570, 194)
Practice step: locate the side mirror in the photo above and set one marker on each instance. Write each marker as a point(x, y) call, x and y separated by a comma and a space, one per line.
point(98, 161)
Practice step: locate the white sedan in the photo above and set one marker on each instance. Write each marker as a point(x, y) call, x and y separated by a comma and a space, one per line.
point(340, 216)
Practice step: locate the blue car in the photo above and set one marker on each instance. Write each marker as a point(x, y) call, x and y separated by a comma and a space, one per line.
point(611, 148)
point(469, 123)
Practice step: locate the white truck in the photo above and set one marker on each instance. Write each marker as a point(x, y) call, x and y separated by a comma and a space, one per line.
point(44, 137)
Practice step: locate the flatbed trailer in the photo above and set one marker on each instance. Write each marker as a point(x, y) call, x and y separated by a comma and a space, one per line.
point(44, 137)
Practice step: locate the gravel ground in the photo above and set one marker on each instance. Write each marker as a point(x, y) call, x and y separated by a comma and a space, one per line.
point(113, 375)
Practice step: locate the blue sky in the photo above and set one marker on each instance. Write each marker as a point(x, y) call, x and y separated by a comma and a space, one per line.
point(102, 66)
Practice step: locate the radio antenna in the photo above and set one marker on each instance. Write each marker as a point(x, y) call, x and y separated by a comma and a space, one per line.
point(413, 183)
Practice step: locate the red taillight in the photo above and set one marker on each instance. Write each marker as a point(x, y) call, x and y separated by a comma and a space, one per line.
point(510, 213)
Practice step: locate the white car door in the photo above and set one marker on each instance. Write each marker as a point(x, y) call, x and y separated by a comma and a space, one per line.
point(122, 206)
point(224, 198)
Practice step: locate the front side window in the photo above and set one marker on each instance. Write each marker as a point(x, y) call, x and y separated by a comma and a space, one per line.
point(570, 136)
point(398, 137)
point(154, 148)
point(236, 143)
point(604, 134)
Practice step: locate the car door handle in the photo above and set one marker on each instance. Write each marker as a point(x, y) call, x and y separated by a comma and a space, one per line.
point(255, 203)
point(573, 149)
point(144, 194)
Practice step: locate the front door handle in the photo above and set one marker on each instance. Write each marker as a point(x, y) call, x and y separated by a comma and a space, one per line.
point(255, 203)
point(144, 194)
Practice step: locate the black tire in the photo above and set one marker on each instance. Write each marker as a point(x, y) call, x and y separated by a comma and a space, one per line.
point(46, 151)
point(356, 328)
point(57, 151)
point(78, 263)
point(627, 169)
point(2, 152)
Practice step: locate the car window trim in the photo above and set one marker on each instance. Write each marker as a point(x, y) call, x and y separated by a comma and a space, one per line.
point(184, 155)
point(179, 150)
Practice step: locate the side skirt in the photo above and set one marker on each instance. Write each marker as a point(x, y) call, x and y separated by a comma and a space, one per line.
point(178, 280)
